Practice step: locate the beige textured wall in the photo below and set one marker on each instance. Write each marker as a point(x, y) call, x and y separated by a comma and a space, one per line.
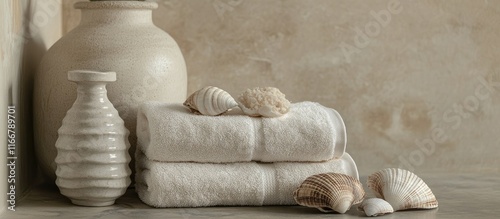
point(27, 29)
point(418, 90)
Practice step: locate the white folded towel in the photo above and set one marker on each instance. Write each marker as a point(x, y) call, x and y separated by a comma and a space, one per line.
point(163, 184)
point(309, 132)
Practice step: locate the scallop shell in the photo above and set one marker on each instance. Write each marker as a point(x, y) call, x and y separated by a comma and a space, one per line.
point(330, 192)
point(266, 101)
point(402, 189)
point(210, 101)
point(375, 207)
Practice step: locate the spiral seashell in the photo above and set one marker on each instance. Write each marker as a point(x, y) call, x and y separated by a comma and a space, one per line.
point(330, 192)
point(375, 207)
point(267, 102)
point(210, 101)
point(402, 189)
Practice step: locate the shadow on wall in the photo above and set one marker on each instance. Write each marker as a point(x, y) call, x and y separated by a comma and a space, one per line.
point(31, 49)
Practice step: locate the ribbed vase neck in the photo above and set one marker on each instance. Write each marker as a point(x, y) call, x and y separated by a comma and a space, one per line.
point(91, 88)
point(91, 85)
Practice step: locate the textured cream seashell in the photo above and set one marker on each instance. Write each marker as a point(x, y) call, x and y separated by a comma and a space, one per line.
point(267, 102)
point(402, 189)
point(330, 192)
point(375, 207)
point(210, 101)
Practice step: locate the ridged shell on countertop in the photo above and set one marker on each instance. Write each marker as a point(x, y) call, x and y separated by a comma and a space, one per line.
point(210, 101)
point(266, 101)
point(330, 192)
point(402, 189)
point(375, 207)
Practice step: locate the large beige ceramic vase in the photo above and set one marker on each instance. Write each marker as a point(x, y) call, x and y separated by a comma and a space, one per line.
point(114, 36)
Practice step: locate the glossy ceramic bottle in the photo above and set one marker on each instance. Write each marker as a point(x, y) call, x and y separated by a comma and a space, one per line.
point(92, 158)
point(114, 36)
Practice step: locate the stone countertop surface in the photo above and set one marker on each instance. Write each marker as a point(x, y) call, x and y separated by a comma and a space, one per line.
point(460, 195)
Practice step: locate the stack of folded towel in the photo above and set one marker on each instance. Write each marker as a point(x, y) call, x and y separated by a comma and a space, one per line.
point(188, 160)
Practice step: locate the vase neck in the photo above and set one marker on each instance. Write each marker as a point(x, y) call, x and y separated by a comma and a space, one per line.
point(116, 12)
point(115, 17)
point(91, 88)
point(91, 85)
point(92, 92)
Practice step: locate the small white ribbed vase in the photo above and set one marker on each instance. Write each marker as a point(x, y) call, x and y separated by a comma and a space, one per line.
point(92, 159)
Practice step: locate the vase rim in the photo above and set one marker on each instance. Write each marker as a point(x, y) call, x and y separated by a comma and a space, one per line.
point(91, 76)
point(116, 5)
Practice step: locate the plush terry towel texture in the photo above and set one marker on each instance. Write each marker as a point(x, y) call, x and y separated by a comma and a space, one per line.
point(309, 132)
point(163, 184)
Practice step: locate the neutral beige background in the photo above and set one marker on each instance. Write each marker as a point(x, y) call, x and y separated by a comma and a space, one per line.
point(418, 80)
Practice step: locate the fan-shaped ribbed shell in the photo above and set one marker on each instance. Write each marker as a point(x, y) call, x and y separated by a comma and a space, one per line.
point(210, 101)
point(330, 192)
point(375, 207)
point(402, 189)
